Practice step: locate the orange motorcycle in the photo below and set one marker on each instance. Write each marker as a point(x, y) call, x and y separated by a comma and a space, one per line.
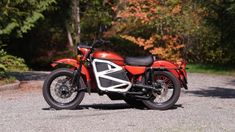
point(139, 81)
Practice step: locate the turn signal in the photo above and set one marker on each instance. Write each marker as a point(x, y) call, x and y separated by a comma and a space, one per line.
point(79, 57)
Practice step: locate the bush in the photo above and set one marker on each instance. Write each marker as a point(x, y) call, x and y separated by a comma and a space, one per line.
point(10, 63)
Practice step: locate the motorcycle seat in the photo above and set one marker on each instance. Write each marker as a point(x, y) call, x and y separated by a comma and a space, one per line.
point(139, 61)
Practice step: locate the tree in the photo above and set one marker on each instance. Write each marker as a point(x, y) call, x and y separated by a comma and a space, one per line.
point(214, 41)
point(94, 14)
point(159, 26)
point(20, 16)
point(86, 16)
point(224, 21)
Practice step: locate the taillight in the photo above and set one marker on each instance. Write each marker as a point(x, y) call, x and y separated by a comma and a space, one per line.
point(181, 64)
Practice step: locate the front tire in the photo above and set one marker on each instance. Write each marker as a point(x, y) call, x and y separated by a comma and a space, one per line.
point(171, 83)
point(63, 90)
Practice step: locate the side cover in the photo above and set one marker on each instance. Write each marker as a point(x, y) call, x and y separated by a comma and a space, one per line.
point(110, 77)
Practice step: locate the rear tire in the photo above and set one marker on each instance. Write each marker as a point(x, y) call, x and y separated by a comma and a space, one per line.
point(172, 100)
point(48, 95)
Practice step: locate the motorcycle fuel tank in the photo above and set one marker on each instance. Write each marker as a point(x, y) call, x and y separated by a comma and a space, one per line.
point(113, 57)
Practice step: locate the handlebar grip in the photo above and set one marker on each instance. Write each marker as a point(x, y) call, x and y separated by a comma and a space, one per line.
point(100, 41)
point(106, 42)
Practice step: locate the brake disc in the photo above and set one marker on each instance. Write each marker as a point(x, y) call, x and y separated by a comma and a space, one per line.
point(163, 92)
point(63, 89)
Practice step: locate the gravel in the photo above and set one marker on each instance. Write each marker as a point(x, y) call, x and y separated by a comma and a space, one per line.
point(208, 105)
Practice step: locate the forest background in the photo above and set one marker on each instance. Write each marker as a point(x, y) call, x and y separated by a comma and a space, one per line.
point(33, 33)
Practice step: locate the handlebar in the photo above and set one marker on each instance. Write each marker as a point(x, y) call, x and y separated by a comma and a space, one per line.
point(100, 41)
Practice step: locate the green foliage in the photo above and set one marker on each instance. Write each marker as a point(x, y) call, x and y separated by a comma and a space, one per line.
point(204, 47)
point(94, 13)
point(7, 80)
point(215, 41)
point(212, 69)
point(10, 63)
point(2, 67)
point(20, 16)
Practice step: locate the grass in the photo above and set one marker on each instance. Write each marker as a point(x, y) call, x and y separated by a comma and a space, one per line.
point(212, 69)
point(7, 80)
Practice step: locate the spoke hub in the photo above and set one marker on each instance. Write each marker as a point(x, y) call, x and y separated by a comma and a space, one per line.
point(63, 91)
point(163, 89)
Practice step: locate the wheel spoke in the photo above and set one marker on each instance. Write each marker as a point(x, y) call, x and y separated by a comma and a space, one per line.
point(61, 90)
point(167, 90)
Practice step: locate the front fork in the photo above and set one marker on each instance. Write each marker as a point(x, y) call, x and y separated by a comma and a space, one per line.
point(76, 79)
point(76, 75)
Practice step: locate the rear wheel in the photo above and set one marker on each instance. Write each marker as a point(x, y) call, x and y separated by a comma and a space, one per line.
point(59, 92)
point(168, 94)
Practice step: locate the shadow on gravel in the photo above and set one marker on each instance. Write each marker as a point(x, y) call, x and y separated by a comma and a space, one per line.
point(100, 106)
point(176, 107)
point(215, 92)
point(105, 106)
point(232, 82)
point(118, 106)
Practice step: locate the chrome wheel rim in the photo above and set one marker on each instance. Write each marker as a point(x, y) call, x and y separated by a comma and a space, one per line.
point(166, 91)
point(62, 91)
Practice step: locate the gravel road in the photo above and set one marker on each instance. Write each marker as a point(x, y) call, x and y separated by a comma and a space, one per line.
point(208, 105)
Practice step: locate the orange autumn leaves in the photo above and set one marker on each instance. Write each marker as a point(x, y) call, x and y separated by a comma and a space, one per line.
point(176, 9)
point(143, 10)
point(170, 50)
point(136, 14)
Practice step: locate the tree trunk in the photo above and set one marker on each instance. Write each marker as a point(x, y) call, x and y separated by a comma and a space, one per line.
point(69, 36)
point(76, 19)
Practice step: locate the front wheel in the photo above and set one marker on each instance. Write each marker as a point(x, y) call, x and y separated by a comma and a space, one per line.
point(59, 92)
point(168, 94)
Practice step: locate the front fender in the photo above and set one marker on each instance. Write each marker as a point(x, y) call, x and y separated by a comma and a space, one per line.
point(74, 63)
point(174, 69)
point(71, 62)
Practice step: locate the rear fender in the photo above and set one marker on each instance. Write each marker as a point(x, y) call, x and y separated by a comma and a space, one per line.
point(75, 64)
point(176, 70)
